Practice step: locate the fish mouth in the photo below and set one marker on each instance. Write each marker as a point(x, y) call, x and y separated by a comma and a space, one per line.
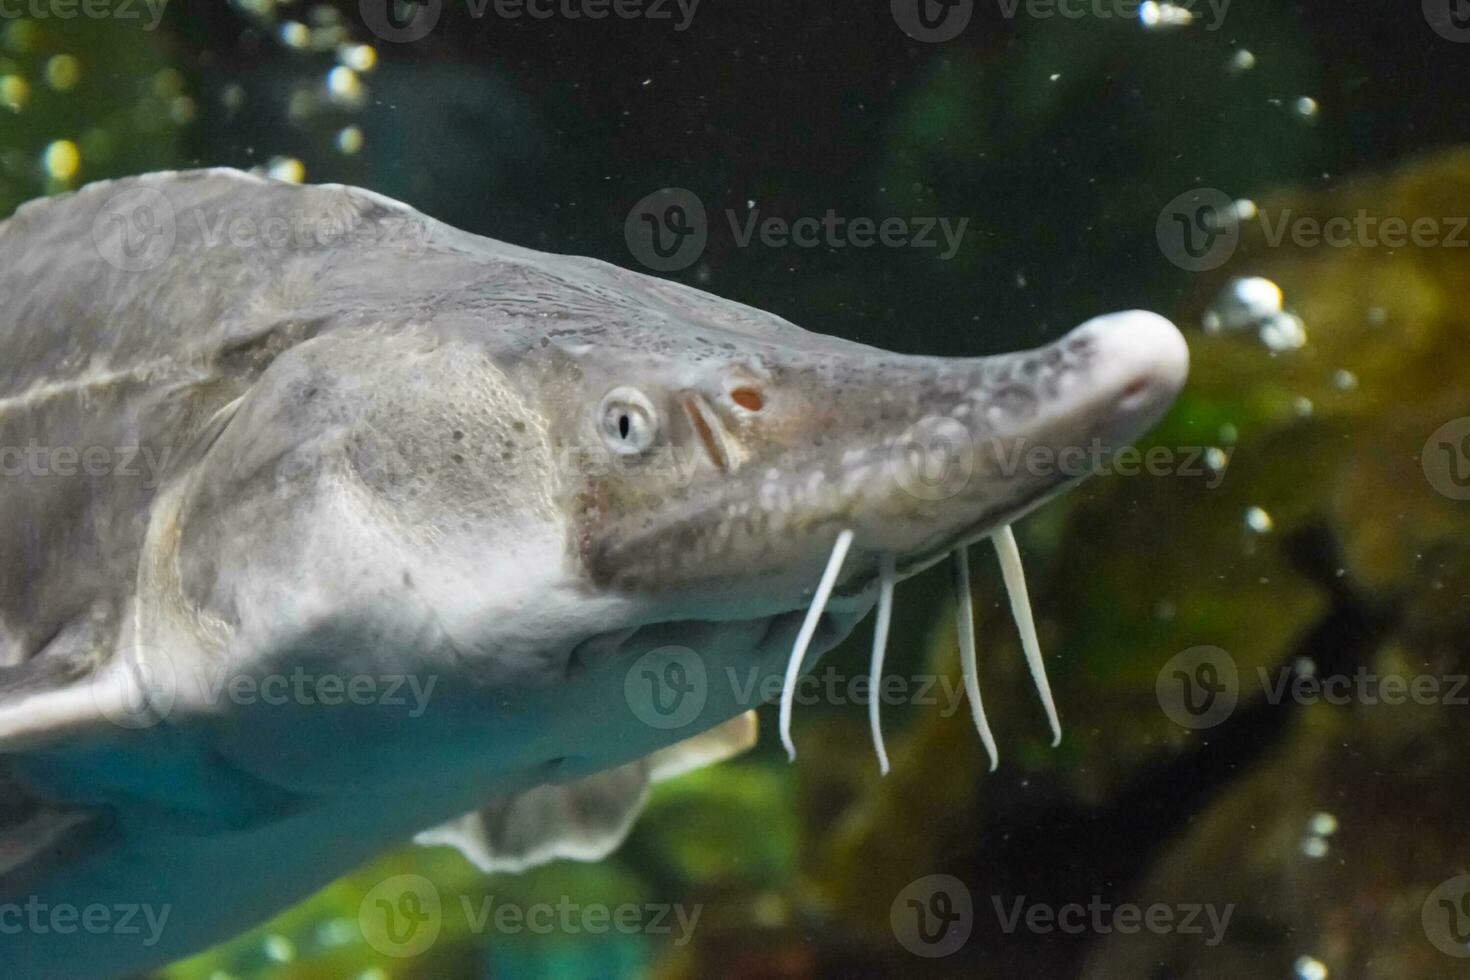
point(768, 638)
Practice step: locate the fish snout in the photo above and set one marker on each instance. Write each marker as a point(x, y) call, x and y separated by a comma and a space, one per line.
point(1000, 435)
point(1140, 362)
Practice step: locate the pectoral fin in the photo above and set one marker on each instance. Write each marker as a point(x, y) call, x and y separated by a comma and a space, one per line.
point(583, 820)
point(705, 749)
point(34, 835)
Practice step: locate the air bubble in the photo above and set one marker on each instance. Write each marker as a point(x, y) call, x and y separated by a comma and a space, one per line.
point(1160, 16)
point(286, 168)
point(349, 140)
point(14, 92)
point(63, 71)
point(1254, 303)
point(1258, 520)
point(1308, 968)
point(62, 160)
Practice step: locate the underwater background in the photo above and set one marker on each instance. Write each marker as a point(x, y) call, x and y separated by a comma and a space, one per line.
point(1258, 632)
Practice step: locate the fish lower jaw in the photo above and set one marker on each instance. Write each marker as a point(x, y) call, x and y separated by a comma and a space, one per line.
point(760, 639)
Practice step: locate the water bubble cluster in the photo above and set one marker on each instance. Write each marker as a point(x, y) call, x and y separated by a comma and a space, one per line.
point(1315, 842)
point(1254, 303)
point(320, 100)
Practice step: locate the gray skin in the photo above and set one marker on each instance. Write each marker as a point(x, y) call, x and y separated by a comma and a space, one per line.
point(407, 451)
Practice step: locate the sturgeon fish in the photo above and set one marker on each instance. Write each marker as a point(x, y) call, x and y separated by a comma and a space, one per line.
point(275, 456)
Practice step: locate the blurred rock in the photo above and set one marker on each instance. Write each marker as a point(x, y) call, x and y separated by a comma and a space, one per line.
point(1386, 779)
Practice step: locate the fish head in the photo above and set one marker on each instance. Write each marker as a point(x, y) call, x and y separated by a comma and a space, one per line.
point(740, 456)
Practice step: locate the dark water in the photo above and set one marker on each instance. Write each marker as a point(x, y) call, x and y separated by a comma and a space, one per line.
point(1258, 651)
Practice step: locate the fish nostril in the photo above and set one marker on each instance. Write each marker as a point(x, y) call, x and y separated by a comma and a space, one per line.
point(748, 398)
point(1135, 388)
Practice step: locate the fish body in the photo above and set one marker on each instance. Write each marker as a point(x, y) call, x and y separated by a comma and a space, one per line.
point(335, 525)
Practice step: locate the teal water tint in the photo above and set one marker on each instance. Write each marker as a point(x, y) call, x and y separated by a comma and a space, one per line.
point(615, 957)
point(1310, 524)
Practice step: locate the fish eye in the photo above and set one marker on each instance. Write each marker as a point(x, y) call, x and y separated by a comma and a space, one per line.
point(627, 421)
